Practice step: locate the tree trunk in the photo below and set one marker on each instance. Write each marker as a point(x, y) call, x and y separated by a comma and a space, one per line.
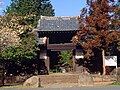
point(103, 61)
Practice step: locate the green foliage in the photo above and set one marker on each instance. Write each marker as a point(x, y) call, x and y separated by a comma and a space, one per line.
point(11, 27)
point(25, 8)
point(56, 71)
point(28, 7)
point(16, 26)
point(116, 83)
point(66, 58)
point(22, 7)
point(27, 50)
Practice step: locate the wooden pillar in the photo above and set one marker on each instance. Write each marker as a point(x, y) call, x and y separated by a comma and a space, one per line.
point(47, 59)
point(74, 64)
point(47, 63)
point(73, 59)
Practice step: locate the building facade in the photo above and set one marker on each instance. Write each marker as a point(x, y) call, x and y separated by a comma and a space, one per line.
point(55, 35)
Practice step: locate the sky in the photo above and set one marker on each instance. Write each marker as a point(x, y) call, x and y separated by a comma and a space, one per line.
point(62, 7)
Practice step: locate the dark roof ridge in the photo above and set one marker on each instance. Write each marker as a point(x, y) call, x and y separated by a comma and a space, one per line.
point(58, 16)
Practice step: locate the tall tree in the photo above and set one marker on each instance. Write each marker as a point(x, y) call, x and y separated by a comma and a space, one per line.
point(118, 4)
point(14, 35)
point(17, 42)
point(29, 12)
point(98, 27)
point(11, 29)
point(27, 7)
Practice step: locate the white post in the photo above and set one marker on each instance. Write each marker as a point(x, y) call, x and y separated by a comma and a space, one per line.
point(103, 59)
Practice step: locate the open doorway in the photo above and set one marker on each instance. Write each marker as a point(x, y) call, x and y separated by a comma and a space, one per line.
point(54, 59)
point(61, 60)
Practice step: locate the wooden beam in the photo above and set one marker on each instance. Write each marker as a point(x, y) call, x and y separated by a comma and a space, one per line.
point(66, 46)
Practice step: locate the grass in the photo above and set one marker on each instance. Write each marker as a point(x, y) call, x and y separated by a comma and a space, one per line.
point(116, 83)
point(56, 71)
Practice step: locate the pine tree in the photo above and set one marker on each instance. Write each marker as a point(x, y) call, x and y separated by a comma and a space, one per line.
point(27, 7)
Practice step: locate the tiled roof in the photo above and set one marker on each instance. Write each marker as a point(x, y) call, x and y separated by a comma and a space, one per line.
point(49, 23)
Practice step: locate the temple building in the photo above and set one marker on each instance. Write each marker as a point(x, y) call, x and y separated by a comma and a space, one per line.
point(55, 35)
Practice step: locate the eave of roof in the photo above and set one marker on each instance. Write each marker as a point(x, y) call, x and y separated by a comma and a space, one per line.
point(61, 23)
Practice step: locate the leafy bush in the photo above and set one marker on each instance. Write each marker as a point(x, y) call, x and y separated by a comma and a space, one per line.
point(66, 58)
point(56, 70)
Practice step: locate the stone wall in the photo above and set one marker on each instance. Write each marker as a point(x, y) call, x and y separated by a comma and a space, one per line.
point(73, 78)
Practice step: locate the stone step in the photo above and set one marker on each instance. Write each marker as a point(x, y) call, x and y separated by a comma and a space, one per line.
point(58, 78)
point(72, 78)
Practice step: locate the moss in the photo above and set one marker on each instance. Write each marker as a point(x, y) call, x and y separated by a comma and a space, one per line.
point(116, 83)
